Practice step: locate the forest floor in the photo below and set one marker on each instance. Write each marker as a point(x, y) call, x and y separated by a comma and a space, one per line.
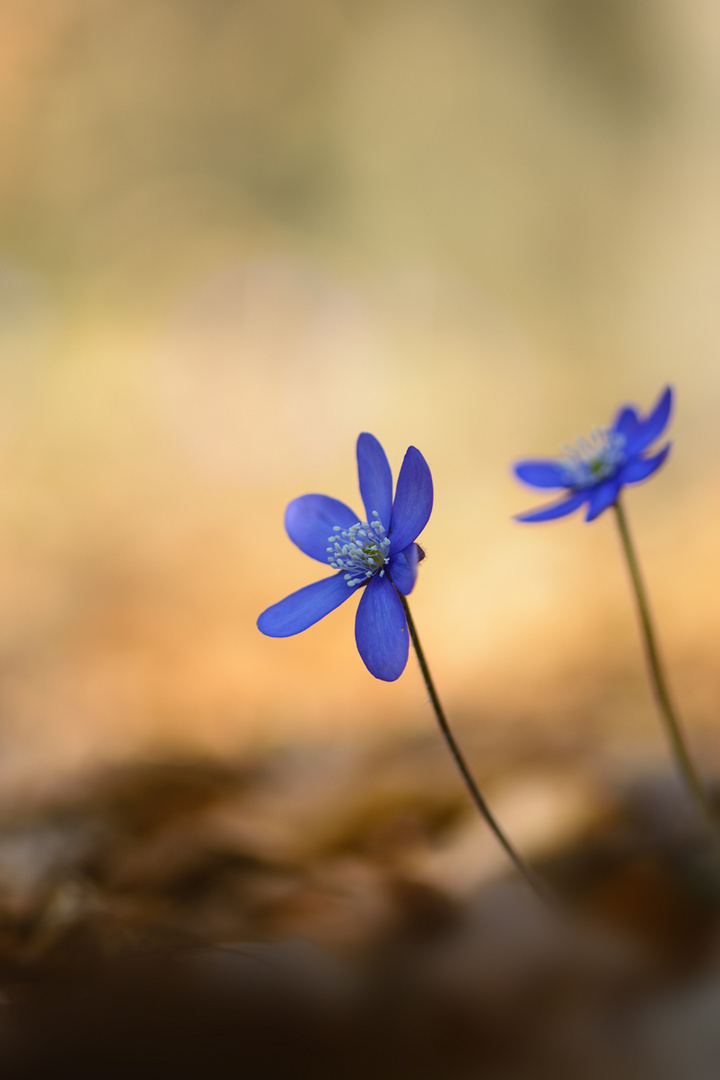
point(340, 912)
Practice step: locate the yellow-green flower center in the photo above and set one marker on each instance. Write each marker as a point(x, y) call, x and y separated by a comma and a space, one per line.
point(361, 551)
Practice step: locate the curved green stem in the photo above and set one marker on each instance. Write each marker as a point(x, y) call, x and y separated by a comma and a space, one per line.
point(476, 795)
point(668, 713)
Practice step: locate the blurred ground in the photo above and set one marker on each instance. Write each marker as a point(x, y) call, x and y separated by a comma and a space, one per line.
point(330, 914)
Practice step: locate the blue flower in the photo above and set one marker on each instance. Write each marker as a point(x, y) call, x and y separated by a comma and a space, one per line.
point(595, 470)
point(378, 555)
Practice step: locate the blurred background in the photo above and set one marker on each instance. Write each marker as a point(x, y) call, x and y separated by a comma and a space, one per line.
point(233, 235)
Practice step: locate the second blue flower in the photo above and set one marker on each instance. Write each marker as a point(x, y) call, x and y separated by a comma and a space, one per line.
point(595, 470)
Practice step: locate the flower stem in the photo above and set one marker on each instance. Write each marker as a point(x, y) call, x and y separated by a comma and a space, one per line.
point(668, 713)
point(539, 887)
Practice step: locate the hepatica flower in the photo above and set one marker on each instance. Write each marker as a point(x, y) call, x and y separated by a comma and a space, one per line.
point(377, 555)
point(594, 471)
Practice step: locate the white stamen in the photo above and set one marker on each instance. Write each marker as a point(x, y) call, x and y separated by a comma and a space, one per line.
point(362, 550)
point(593, 459)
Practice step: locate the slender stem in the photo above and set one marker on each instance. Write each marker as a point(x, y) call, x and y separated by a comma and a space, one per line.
point(657, 676)
point(475, 793)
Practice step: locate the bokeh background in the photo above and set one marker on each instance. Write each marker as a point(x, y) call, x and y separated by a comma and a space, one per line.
point(234, 234)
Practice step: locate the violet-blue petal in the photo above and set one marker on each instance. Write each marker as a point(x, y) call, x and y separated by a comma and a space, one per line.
point(542, 473)
point(413, 501)
point(641, 468)
point(651, 428)
point(309, 521)
point(603, 495)
point(554, 510)
point(381, 632)
point(626, 422)
point(375, 478)
point(402, 569)
point(305, 607)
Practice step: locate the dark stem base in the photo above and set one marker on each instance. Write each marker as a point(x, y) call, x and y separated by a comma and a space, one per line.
point(476, 795)
point(668, 714)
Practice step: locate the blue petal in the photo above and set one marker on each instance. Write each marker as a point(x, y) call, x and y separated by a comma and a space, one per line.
point(603, 495)
point(402, 568)
point(650, 429)
point(375, 479)
point(554, 510)
point(542, 474)
point(309, 522)
point(304, 607)
point(381, 631)
point(626, 422)
point(413, 501)
point(641, 468)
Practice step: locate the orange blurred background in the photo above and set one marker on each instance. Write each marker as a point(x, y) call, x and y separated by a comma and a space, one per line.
point(235, 234)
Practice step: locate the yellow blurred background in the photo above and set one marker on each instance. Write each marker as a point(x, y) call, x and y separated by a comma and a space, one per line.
point(236, 233)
